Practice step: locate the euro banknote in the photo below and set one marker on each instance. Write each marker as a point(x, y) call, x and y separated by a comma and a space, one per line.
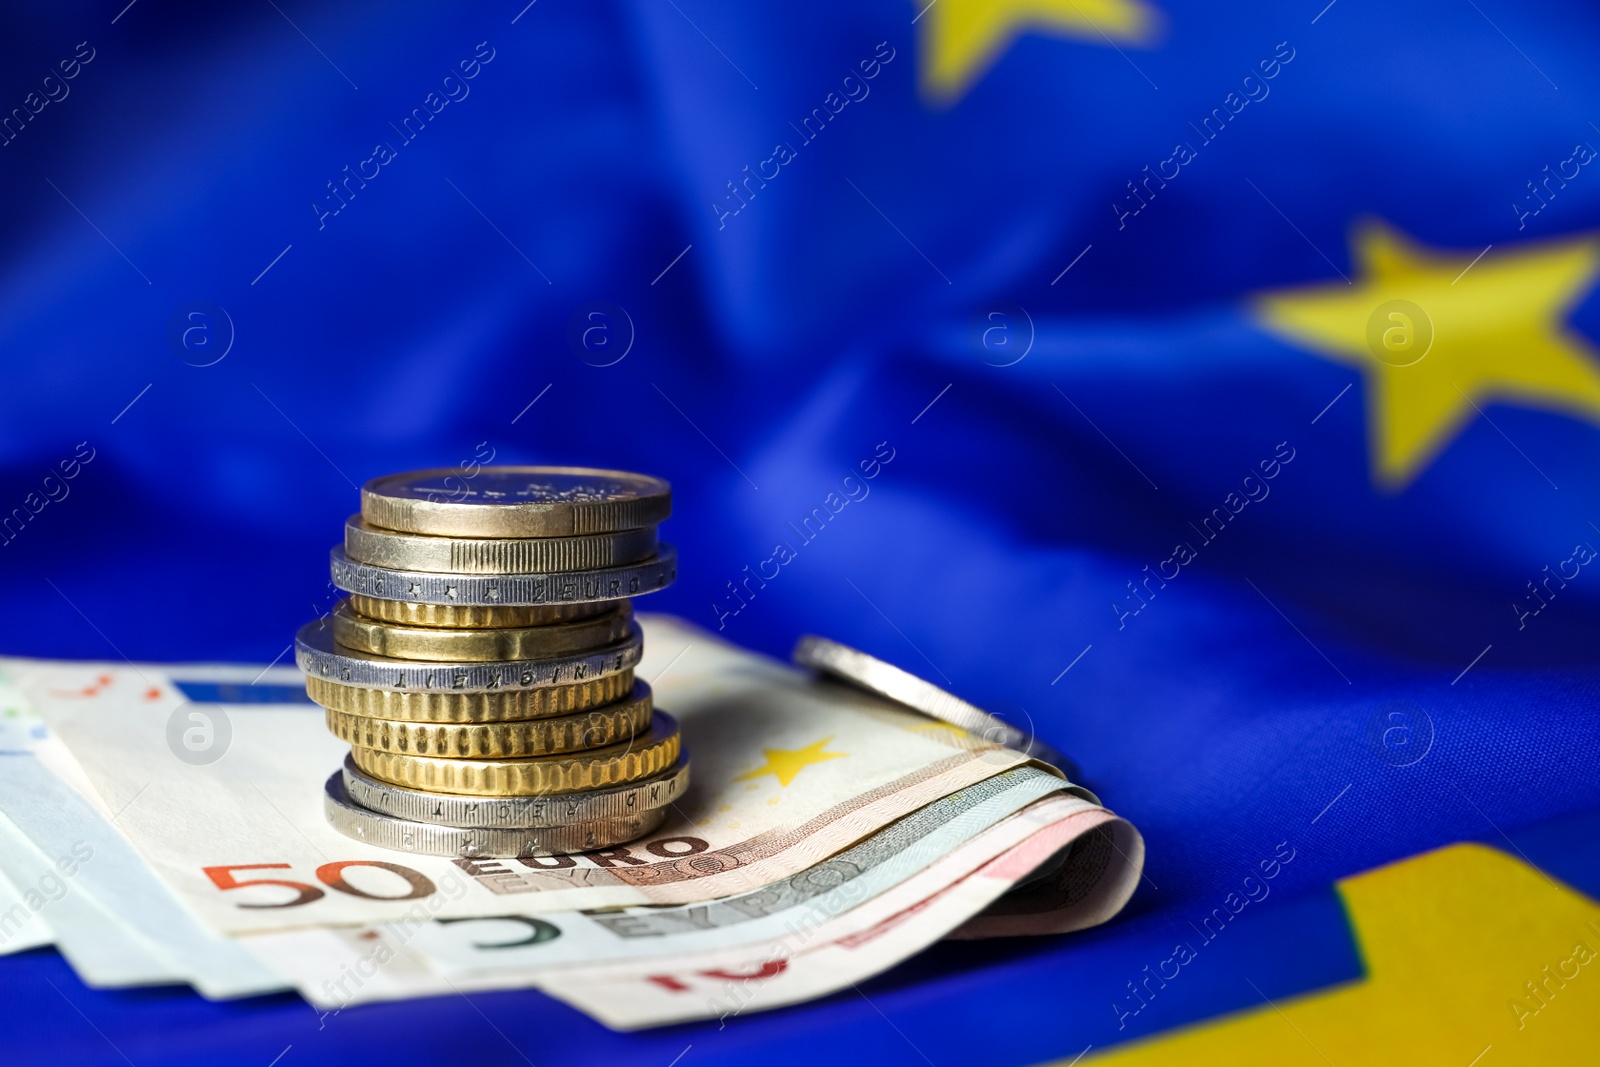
point(163, 823)
point(824, 930)
point(786, 773)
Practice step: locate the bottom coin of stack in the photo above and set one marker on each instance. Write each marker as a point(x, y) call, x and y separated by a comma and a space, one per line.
point(452, 824)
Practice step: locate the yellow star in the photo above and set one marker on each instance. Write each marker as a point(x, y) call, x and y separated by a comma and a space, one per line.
point(786, 763)
point(1487, 937)
point(1439, 335)
point(961, 39)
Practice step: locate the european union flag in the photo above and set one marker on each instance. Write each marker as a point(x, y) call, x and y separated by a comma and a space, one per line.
point(1212, 389)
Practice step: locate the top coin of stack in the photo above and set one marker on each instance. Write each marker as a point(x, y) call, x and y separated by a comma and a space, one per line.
point(482, 667)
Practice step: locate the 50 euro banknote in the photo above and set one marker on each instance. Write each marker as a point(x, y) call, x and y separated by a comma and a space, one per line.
point(816, 932)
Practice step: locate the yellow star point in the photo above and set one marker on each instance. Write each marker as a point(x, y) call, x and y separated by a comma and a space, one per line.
point(786, 763)
point(1438, 335)
point(961, 39)
point(1451, 942)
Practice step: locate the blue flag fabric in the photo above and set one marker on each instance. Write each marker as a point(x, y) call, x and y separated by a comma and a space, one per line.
point(1214, 391)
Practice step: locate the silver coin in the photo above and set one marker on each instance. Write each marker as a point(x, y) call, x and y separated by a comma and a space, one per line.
point(365, 543)
point(886, 680)
point(449, 809)
point(316, 653)
point(516, 501)
point(429, 839)
point(505, 590)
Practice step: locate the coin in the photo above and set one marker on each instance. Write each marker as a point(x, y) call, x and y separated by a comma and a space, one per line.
point(483, 555)
point(430, 587)
point(318, 654)
point(447, 646)
point(472, 616)
point(648, 754)
point(886, 680)
point(508, 812)
point(595, 728)
point(502, 705)
point(431, 839)
point(516, 502)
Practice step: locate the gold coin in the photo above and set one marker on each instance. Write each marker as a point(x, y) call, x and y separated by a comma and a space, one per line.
point(454, 646)
point(366, 543)
point(499, 706)
point(649, 753)
point(473, 616)
point(596, 728)
point(515, 502)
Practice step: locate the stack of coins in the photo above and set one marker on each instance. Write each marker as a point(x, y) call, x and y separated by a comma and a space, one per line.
point(482, 667)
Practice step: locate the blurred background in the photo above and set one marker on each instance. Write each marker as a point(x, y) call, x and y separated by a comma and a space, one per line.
point(1228, 377)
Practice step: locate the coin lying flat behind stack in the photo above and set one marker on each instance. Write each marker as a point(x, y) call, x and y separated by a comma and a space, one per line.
point(854, 667)
point(482, 667)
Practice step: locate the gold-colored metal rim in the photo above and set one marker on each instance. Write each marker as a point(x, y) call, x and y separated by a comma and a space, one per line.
point(445, 707)
point(648, 503)
point(649, 753)
point(367, 543)
point(596, 728)
point(470, 616)
point(455, 646)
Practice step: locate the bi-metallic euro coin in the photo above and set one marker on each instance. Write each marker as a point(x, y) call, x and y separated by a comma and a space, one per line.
point(458, 646)
point(570, 587)
point(366, 543)
point(316, 653)
point(516, 502)
point(472, 616)
point(431, 839)
point(562, 809)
